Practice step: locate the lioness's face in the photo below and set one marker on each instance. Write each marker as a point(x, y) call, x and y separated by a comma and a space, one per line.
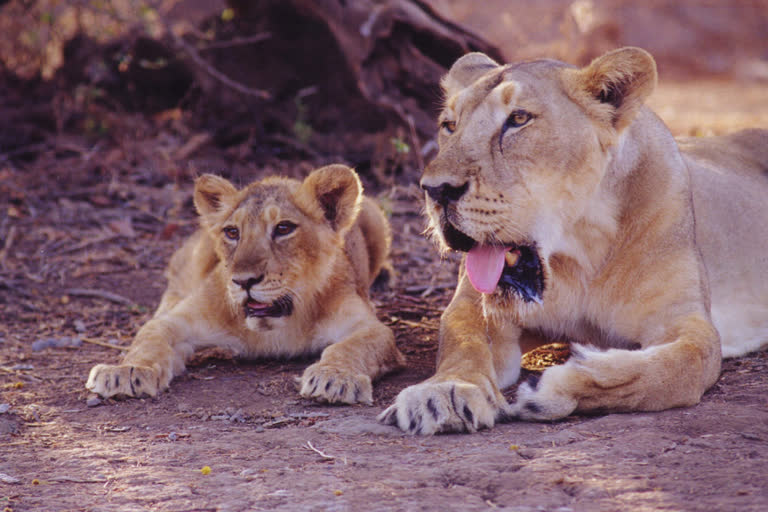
point(277, 241)
point(519, 164)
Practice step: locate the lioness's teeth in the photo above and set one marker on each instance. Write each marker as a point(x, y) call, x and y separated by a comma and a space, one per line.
point(512, 257)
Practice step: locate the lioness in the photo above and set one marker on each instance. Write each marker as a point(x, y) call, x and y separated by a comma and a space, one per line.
point(279, 268)
point(583, 220)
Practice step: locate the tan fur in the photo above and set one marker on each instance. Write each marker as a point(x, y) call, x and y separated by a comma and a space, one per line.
point(324, 268)
point(632, 231)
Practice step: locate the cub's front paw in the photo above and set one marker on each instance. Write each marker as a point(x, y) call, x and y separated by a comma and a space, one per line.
point(123, 380)
point(445, 406)
point(326, 383)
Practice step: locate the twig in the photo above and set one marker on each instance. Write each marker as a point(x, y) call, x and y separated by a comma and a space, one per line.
point(415, 142)
point(325, 456)
point(76, 480)
point(87, 243)
point(102, 344)
point(9, 239)
point(295, 144)
point(238, 41)
point(410, 323)
point(100, 294)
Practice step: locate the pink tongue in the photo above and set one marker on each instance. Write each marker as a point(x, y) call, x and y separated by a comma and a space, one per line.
point(484, 266)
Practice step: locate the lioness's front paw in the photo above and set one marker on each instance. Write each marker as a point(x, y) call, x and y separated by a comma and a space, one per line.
point(542, 398)
point(134, 381)
point(327, 383)
point(444, 406)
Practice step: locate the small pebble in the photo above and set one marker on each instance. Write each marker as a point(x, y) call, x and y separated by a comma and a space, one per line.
point(93, 401)
point(79, 325)
point(172, 436)
point(5, 408)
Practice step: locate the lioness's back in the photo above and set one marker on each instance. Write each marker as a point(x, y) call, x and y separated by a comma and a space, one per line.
point(729, 177)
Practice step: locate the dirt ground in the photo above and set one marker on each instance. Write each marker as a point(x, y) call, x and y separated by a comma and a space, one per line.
point(81, 269)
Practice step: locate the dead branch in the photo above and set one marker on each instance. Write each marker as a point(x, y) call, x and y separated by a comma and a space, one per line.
point(204, 65)
point(238, 41)
point(100, 294)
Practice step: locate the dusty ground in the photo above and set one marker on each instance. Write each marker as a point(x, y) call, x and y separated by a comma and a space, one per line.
point(83, 253)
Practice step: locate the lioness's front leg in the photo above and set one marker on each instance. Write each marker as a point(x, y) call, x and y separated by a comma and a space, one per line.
point(673, 374)
point(347, 368)
point(475, 360)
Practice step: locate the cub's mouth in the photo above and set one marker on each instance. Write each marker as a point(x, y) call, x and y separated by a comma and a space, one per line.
point(283, 306)
point(512, 268)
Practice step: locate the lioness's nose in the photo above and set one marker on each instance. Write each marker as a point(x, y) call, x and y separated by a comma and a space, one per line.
point(246, 284)
point(445, 193)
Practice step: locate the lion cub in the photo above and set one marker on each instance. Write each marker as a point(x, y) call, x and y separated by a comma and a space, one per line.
point(278, 268)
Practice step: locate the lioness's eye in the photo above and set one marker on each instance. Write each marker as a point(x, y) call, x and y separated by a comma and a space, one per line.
point(517, 119)
point(449, 126)
point(232, 233)
point(283, 228)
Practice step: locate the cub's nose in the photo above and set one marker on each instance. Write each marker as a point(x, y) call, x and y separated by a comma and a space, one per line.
point(246, 284)
point(445, 193)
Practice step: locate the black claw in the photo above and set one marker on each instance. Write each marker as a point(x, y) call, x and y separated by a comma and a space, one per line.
point(503, 416)
point(533, 407)
point(342, 390)
point(432, 409)
point(357, 393)
point(468, 414)
point(137, 381)
point(390, 418)
point(533, 380)
point(107, 384)
point(117, 381)
point(311, 381)
point(453, 399)
point(415, 422)
point(130, 381)
point(328, 385)
point(313, 390)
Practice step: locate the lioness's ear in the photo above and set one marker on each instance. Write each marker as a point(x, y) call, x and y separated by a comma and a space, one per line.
point(620, 81)
point(466, 71)
point(337, 192)
point(211, 192)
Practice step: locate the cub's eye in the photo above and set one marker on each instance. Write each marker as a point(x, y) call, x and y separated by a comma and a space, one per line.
point(284, 228)
point(449, 126)
point(517, 119)
point(232, 233)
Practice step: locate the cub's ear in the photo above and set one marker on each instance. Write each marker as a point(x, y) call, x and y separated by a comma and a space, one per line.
point(466, 71)
point(336, 191)
point(615, 85)
point(211, 192)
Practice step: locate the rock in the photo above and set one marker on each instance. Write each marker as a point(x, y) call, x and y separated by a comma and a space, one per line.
point(356, 425)
point(62, 342)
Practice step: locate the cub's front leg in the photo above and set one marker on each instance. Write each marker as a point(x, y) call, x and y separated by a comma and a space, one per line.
point(156, 356)
point(464, 394)
point(346, 369)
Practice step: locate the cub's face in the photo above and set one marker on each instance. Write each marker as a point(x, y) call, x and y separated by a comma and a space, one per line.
point(278, 238)
point(523, 153)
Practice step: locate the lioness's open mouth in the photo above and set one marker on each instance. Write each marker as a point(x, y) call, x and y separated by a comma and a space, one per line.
point(283, 306)
point(510, 267)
